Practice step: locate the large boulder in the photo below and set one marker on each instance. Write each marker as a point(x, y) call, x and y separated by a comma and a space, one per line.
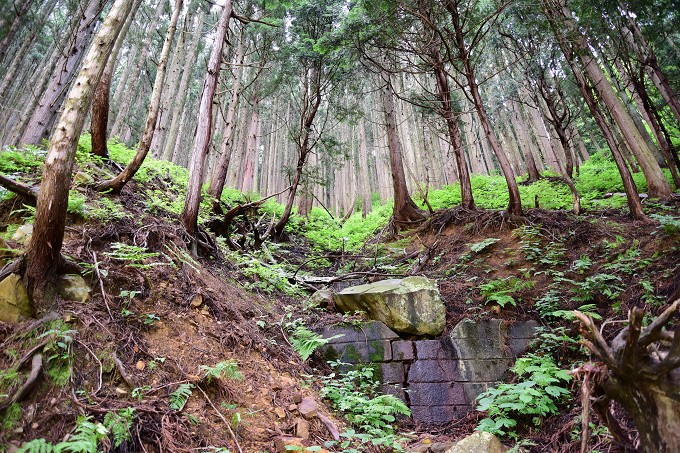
point(15, 305)
point(479, 442)
point(411, 305)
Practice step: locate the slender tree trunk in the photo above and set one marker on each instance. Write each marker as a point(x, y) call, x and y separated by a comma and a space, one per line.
point(182, 92)
point(116, 184)
point(632, 195)
point(406, 212)
point(48, 228)
point(444, 92)
point(21, 10)
point(515, 202)
point(650, 63)
point(219, 176)
point(42, 119)
point(100, 104)
point(126, 100)
point(367, 196)
point(189, 216)
point(656, 181)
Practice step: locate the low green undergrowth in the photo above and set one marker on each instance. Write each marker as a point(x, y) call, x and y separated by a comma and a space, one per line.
point(541, 386)
point(373, 414)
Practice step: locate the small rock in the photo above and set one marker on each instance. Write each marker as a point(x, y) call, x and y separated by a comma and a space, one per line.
point(308, 407)
point(197, 301)
point(23, 234)
point(287, 444)
point(292, 407)
point(440, 447)
point(81, 178)
point(53, 402)
point(302, 428)
point(280, 412)
point(35, 425)
point(18, 430)
point(140, 365)
point(205, 312)
point(297, 398)
point(479, 442)
point(73, 287)
point(15, 305)
point(321, 299)
point(120, 391)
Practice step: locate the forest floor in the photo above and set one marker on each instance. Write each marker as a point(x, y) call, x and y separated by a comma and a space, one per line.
point(176, 353)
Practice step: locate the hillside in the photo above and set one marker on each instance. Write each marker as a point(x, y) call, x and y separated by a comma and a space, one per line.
point(174, 352)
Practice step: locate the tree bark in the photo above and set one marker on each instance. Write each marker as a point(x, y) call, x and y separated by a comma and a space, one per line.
point(183, 90)
point(657, 184)
point(189, 216)
point(116, 184)
point(126, 100)
point(632, 196)
point(219, 176)
point(405, 213)
point(100, 103)
point(444, 92)
point(48, 229)
point(42, 119)
point(515, 202)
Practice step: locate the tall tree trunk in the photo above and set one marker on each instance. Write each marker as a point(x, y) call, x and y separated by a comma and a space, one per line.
point(182, 91)
point(634, 36)
point(48, 228)
point(42, 119)
point(100, 104)
point(21, 11)
point(444, 92)
point(19, 56)
point(126, 100)
point(116, 184)
point(219, 176)
point(628, 184)
point(656, 181)
point(366, 195)
point(405, 213)
point(192, 202)
point(515, 202)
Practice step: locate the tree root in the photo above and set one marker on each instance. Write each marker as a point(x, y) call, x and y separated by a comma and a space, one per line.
point(31, 381)
point(129, 380)
point(27, 192)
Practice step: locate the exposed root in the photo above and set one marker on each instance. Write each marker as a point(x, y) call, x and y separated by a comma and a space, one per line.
point(31, 381)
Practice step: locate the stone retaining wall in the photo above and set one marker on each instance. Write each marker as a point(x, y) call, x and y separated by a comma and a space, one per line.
point(440, 378)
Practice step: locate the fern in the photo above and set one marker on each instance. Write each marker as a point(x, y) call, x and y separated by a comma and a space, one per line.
point(120, 423)
point(179, 397)
point(480, 246)
point(84, 440)
point(304, 341)
point(227, 369)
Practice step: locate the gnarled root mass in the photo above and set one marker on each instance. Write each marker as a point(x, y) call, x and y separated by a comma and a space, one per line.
point(642, 375)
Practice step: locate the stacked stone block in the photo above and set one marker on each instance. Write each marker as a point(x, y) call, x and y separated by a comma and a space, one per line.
point(441, 378)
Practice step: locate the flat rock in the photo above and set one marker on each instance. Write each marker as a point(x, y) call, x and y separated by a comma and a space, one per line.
point(302, 428)
point(410, 305)
point(308, 407)
point(15, 305)
point(479, 442)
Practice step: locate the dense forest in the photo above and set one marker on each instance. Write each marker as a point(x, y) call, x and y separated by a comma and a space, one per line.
point(195, 194)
